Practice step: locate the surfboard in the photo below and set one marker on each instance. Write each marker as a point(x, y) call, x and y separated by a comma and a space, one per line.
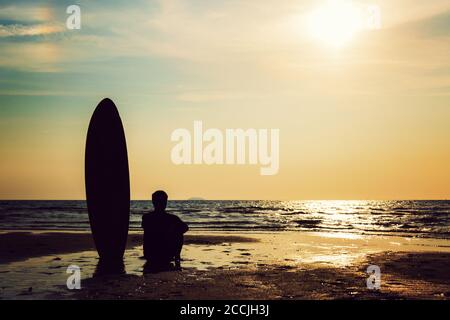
point(107, 181)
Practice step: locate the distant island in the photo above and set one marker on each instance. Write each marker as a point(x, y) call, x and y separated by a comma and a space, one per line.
point(195, 199)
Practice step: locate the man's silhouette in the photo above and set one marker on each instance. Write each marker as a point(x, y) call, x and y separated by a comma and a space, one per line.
point(163, 235)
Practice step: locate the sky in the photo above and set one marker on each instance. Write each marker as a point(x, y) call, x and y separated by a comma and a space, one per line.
point(367, 119)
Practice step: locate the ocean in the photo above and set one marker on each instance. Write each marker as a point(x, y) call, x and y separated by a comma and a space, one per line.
point(409, 218)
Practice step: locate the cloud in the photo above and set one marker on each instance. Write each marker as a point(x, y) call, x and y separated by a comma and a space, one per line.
point(401, 12)
point(27, 12)
point(18, 30)
point(226, 46)
point(23, 19)
point(33, 56)
point(433, 26)
point(209, 96)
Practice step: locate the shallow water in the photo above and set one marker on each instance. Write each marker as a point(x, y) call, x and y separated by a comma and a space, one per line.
point(45, 277)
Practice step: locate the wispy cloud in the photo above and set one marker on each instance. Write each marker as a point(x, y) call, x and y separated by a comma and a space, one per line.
point(18, 30)
point(27, 12)
point(226, 44)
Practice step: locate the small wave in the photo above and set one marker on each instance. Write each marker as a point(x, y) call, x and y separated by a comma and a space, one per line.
point(306, 223)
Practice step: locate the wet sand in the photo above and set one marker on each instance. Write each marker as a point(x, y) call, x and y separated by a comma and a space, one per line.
point(219, 265)
point(17, 246)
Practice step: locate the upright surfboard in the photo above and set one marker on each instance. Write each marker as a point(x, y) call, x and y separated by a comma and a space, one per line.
point(107, 181)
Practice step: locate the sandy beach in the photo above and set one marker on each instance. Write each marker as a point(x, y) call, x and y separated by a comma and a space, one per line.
point(231, 265)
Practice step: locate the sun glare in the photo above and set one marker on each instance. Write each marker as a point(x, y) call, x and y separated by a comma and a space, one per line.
point(335, 23)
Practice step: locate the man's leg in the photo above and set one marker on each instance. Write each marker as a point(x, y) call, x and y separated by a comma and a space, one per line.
point(179, 241)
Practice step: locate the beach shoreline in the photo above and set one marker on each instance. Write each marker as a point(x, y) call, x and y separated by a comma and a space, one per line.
point(231, 265)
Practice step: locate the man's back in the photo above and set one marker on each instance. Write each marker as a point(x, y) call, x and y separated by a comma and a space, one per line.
point(163, 236)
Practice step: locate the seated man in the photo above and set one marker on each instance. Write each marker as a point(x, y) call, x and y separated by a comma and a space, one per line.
point(163, 235)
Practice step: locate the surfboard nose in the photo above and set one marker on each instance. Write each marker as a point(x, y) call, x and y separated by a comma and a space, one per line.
point(107, 110)
point(106, 104)
point(106, 101)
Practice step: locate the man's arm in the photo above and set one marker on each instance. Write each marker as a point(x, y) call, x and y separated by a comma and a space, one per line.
point(182, 226)
point(143, 219)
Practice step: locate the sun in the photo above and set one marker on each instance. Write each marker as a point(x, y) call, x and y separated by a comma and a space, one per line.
point(335, 23)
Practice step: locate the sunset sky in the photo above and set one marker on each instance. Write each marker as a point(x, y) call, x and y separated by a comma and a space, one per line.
point(368, 119)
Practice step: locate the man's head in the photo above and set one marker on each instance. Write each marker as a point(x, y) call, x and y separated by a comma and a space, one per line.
point(159, 199)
